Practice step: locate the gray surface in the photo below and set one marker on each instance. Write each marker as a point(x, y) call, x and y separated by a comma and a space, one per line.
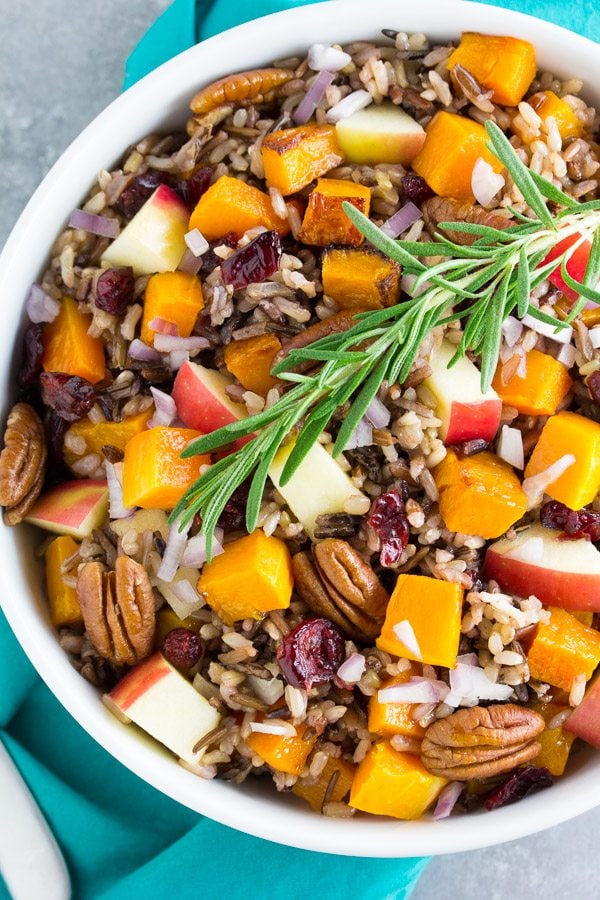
point(61, 62)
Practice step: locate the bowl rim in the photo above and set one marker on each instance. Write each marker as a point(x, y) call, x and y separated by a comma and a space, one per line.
point(246, 811)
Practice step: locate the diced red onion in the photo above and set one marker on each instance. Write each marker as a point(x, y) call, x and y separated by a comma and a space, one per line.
point(176, 543)
point(510, 447)
point(163, 326)
point(100, 225)
point(568, 354)
point(351, 670)
point(116, 507)
point(176, 359)
point(535, 486)
point(470, 683)
point(511, 329)
point(417, 691)
point(401, 221)
point(143, 353)
point(595, 337)
point(166, 411)
point(447, 800)
point(562, 336)
point(407, 283)
point(189, 263)
point(468, 659)
point(324, 56)
point(196, 242)
point(312, 98)
point(194, 554)
point(166, 343)
point(406, 633)
point(378, 414)
point(348, 105)
point(283, 729)
point(485, 183)
point(362, 436)
point(40, 306)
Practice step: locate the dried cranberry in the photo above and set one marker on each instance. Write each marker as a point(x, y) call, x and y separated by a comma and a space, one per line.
point(593, 385)
point(581, 523)
point(476, 582)
point(520, 784)
point(312, 653)
point(191, 189)
point(416, 189)
point(210, 260)
point(254, 262)
point(183, 648)
point(141, 188)
point(233, 517)
point(114, 290)
point(31, 360)
point(470, 448)
point(388, 519)
point(70, 396)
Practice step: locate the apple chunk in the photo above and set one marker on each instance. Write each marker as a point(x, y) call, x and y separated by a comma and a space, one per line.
point(160, 700)
point(584, 721)
point(560, 573)
point(380, 134)
point(154, 239)
point(202, 401)
point(74, 508)
point(467, 414)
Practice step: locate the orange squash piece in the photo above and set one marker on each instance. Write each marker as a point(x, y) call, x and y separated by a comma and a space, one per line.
point(567, 432)
point(231, 205)
point(167, 620)
point(104, 434)
point(392, 783)
point(502, 64)
point(433, 608)
point(540, 393)
point(556, 742)
point(69, 348)
point(285, 754)
point(479, 494)
point(563, 649)
point(294, 157)
point(546, 104)
point(453, 144)
point(251, 360)
point(154, 475)
point(325, 222)
point(387, 719)
point(314, 794)
point(174, 296)
point(64, 605)
point(360, 279)
point(252, 576)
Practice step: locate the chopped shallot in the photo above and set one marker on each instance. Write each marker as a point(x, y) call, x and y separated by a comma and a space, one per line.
point(190, 263)
point(100, 225)
point(417, 690)
point(163, 326)
point(561, 336)
point(470, 684)
point(378, 414)
point(196, 242)
point(194, 554)
point(312, 98)
point(447, 800)
point(362, 436)
point(40, 306)
point(512, 329)
point(510, 447)
point(166, 411)
point(166, 343)
point(485, 183)
point(116, 508)
point(595, 337)
point(176, 543)
point(348, 105)
point(405, 633)
point(406, 216)
point(351, 670)
point(143, 353)
point(324, 56)
point(568, 354)
point(535, 486)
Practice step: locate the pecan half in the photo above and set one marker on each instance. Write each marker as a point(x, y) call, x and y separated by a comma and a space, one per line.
point(118, 610)
point(481, 742)
point(339, 322)
point(22, 462)
point(338, 584)
point(444, 209)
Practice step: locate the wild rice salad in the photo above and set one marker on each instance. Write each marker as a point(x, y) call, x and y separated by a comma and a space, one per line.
point(311, 397)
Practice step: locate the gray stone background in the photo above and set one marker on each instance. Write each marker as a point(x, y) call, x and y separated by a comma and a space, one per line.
point(61, 62)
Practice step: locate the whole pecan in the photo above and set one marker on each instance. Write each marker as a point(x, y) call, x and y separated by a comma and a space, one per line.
point(339, 322)
point(118, 610)
point(444, 209)
point(22, 462)
point(481, 742)
point(336, 582)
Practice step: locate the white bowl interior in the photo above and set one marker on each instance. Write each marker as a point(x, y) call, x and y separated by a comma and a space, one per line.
point(158, 103)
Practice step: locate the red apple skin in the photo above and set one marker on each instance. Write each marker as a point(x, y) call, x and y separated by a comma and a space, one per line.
point(170, 201)
point(584, 721)
point(473, 421)
point(141, 679)
point(569, 590)
point(198, 407)
point(69, 504)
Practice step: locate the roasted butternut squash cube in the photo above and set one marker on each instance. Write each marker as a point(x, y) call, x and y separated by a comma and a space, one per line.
point(541, 391)
point(392, 783)
point(555, 742)
point(285, 754)
point(314, 794)
point(479, 494)
point(387, 719)
point(360, 279)
point(569, 433)
point(231, 205)
point(325, 222)
point(64, 605)
point(174, 296)
point(294, 157)
point(562, 649)
point(69, 348)
point(502, 64)
point(546, 104)
point(103, 434)
point(433, 608)
point(251, 577)
point(453, 144)
point(154, 474)
point(251, 360)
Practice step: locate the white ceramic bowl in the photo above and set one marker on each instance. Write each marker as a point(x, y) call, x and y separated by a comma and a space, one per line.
point(159, 102)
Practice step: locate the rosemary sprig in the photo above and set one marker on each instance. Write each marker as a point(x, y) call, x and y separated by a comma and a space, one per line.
point(478, 285)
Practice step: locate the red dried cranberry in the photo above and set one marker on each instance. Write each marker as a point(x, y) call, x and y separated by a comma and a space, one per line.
point(141, 188)
point(191, 189)
point(470, 448)
point(183, 648)
point(593, 386)
point(312, 653)
point(114, 290)
point(476, 582)
point(233, 517)
point(416, 189)
point(31, 360)
point(70, 396)
point(520, 784)
point(254, 262)
point(581, 523)
point(387, 518)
